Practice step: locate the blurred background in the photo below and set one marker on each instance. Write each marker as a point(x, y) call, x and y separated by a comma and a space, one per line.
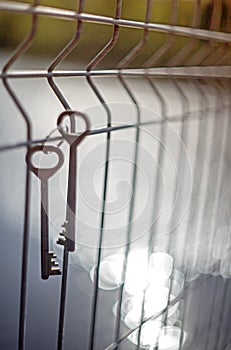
point(53, 34)
point(198, 114)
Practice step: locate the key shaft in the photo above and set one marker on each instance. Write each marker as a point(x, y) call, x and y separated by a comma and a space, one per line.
point(71, 199)
point(45, 268)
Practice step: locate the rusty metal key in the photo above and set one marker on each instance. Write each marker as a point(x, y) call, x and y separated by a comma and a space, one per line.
point(48, 264)
point(73, 139)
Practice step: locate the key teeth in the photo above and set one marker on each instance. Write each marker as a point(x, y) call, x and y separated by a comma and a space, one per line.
point(62, 235)
point(64, 225)
point(54, 262)
point(55, 271)
point(52, 255)
point(54, 265)
point(61, 240)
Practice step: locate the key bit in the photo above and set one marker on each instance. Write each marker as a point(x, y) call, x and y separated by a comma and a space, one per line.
point(53, 265)
point(52, 254)
point(55, 271)
point(65, 225)
point(61, 240)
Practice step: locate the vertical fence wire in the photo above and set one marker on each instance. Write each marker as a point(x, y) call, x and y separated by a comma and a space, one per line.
point(166, 47)
point(173, 225)
point(25, 247)
point(125, 62)
point(209, 48)
point(62, 56)
point(220, 176)
point(181, 55)
point(212, 197)
point(58, 60)
point(93, 63)
point(197, 175)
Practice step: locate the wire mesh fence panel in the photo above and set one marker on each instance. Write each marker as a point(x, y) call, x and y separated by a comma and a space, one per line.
point(115, 155)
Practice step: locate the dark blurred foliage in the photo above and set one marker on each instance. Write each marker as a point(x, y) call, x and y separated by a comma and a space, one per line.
point(217, 17)
point(53, 34)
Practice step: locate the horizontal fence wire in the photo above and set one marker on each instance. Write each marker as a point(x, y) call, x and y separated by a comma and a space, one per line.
point(175, 71)
point(179, 72)
point(176, 119)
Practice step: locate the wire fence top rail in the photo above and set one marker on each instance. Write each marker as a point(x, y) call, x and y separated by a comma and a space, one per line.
point(75, 16)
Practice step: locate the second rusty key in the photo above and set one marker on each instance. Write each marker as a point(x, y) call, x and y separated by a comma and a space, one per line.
point(73, 140)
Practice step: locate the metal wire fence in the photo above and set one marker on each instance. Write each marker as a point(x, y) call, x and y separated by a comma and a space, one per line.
point(187, 113)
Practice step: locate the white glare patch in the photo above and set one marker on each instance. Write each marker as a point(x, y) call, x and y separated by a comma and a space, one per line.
point(169, 338)
point(140, 273)
point(149, 334)
point(161, 265)
point(111, 271)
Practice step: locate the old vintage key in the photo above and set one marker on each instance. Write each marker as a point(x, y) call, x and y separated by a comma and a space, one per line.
point(74, 140)
point(48, 264)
